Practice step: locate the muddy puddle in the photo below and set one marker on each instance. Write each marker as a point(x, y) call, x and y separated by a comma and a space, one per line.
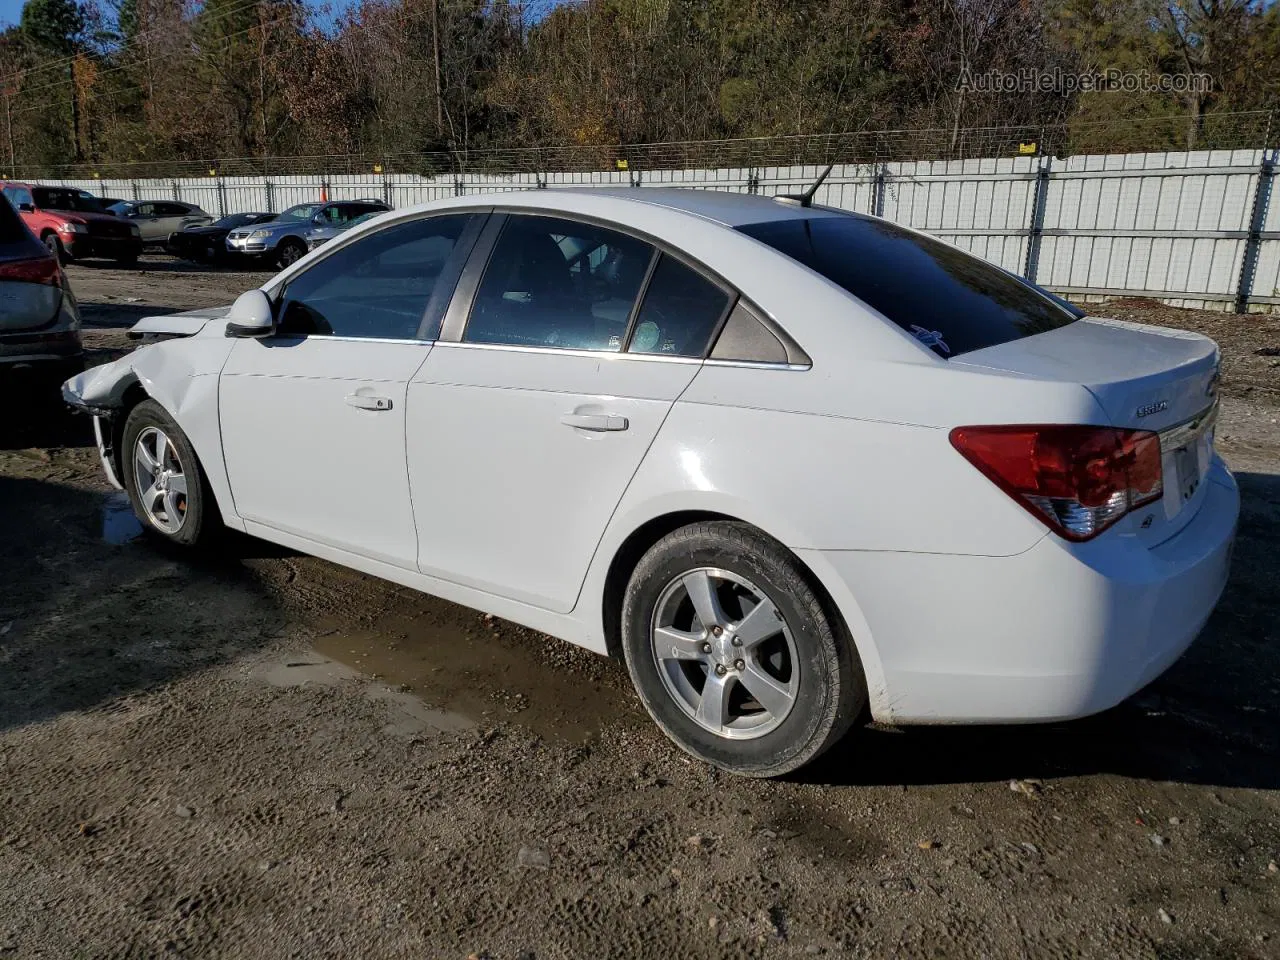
point(119, 525)
point(465, 668)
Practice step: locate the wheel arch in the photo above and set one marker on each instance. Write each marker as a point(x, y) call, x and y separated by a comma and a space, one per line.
point(837, 600)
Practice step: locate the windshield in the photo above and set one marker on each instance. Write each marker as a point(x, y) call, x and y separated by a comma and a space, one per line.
point(303, 211)
point(949, 300)
point(241, 219)
point(78, 201)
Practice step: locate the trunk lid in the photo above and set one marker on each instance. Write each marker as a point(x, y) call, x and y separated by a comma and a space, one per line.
point(1145, 378)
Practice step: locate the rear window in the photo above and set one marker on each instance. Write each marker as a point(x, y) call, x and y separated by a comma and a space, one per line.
point(949, 300)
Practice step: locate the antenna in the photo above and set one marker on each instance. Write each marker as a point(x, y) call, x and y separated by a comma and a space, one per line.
point(806, 199)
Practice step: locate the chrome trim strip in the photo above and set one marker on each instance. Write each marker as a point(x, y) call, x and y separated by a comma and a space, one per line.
point(758, 364)
point(1182, 434)
point(570, 352)
point(330, 336)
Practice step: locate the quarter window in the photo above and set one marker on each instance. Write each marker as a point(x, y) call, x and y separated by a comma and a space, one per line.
point(558, 283)
point(680, 313)
point(379, 287)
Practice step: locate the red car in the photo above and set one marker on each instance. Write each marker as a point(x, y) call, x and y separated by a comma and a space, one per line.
point(71, 223)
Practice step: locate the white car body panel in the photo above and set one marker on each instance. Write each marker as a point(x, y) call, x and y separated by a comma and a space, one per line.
point(962, 605)
point(304, 459)
point(498, 478)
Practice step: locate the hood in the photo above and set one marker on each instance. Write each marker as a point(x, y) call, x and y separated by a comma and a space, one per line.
point(75, 216)
point(178, 324)
point(205, 230)
point(275, 226)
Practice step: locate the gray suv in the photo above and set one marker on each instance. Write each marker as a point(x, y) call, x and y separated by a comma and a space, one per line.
point(284, 239)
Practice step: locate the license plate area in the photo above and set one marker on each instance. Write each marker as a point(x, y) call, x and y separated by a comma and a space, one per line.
point(1186, 451)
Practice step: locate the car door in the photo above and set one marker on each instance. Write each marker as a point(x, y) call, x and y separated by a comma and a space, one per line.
point(169, 218)
point(313, 416)
point(144, 215)
point(533, 412)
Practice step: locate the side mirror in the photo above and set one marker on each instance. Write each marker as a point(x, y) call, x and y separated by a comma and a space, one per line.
point(319, 220)
point(27, 207)
point(251, 316)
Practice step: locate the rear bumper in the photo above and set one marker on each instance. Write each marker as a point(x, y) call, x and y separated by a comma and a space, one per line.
point(45, 350)
point(1060, 631)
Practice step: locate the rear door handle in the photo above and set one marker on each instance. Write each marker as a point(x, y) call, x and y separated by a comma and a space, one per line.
point(362, 402)
point(594, 421)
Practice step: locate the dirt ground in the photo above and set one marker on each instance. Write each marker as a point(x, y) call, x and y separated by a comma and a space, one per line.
point(259, 754)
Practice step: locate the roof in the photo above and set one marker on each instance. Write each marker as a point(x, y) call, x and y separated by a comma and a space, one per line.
point(721, 206)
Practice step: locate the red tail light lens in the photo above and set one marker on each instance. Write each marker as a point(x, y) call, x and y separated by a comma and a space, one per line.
point(41, 270)
point(1077, 480)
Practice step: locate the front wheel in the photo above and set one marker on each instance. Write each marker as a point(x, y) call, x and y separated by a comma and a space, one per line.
point(55, 247)
point(165, 482)
point(290, 252)
point(734, 654)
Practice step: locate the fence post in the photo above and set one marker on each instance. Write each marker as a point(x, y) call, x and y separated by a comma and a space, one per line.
point(177, 194)
point(222, 198)
point(458, 188)
point(271, 197)
point(137, 193)
point(877, 189)
point(1257, 219)
point(386, 189)
point(753, 180)
point(1037, 218)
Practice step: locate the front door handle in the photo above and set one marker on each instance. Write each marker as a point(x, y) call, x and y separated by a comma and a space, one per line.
point(362, 402)
point(594, 421)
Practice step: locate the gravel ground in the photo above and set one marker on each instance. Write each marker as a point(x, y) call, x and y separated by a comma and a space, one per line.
point(259, 754)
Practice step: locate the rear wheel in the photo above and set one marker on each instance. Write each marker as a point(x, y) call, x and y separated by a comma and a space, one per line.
point(166, 485)
point(733, 653)
point(290, 252)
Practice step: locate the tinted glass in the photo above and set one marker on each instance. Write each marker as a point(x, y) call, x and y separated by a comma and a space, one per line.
point(680, 312)
point(557, 283)
point(303, 211)
point(950, 300)
point(173, 210)
point(377, 287)
point(240, 220)
point(59, 199)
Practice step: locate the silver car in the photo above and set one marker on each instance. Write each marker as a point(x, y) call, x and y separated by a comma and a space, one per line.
point(39, 319)
point(320, 235)
point(156, 219)
point(283, 241)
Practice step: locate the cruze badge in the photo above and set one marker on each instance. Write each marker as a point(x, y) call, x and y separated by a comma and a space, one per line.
point(1148, 409)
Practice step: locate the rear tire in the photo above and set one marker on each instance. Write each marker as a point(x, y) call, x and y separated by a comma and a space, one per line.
point(756, 696)
point(165, 482)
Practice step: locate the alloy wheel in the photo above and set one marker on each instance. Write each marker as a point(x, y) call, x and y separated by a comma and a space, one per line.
point(725, 653)
point(160, 480)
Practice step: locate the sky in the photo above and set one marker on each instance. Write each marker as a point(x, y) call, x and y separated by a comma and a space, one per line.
point(11, 10)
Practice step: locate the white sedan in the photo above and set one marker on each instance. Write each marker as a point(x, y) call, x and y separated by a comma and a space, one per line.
point(797, 466)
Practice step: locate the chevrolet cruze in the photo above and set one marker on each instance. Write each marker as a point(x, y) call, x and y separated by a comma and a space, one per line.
point(797, 466)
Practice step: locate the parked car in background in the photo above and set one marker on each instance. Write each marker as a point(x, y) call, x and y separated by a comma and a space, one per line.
point(156, 219)
point(284, 240)
point(108, 202)
point(796, 465)
point(208, 243)
point(39, 319)
point(72, 224)
point(321, 235)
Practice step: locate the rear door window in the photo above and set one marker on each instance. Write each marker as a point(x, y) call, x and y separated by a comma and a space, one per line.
point(949, 300)
point(680, 312)
point(558, 283)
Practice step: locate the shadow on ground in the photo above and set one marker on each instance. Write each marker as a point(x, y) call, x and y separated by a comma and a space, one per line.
point(1212, 719)
point(84, 621)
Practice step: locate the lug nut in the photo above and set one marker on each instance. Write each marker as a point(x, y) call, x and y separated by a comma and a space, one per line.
point(739, 665)
point(717, 630)
point(706, 648)
point(720, 670)
point(737, 641)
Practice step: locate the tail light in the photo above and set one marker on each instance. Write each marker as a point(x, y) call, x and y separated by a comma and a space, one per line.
point(44, 270)
point(1077, 480)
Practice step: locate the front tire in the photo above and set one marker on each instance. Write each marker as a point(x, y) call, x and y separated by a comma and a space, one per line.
point(55, 247)
point(290, 252)
point(166, 485)
point(734, 654)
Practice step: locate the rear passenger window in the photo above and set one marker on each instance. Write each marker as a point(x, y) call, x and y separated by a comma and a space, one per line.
point(558, 283)
point(680, 313)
